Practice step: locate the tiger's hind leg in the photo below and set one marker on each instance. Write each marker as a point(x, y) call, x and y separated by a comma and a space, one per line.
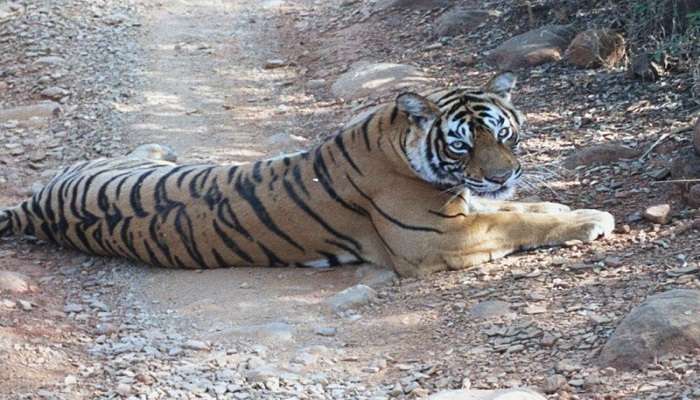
point(154, 152)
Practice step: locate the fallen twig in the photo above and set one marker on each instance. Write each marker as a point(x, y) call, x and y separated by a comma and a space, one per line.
point(677, 181)
point(662, 138)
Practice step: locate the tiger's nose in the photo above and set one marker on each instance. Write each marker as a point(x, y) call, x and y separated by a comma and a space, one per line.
point(500, 178)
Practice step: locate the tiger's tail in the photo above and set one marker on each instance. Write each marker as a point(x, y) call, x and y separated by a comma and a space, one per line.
point(13, 221)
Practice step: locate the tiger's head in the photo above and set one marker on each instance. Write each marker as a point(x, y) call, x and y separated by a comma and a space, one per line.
point(464, 139)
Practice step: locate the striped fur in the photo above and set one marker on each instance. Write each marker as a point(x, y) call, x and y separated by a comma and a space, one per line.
point(380, 191)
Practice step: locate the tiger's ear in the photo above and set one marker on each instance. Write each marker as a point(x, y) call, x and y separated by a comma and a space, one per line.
point(420, 110)
point(502, 84)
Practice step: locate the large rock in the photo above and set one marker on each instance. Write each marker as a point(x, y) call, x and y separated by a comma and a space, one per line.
point(352, 297)
point(41, 111)
point(686, 167)
point(365, 79)
point(596, 48)
point(461, 20)
point(665, 323)
point(14, 282)
point(508, 394)
point(539, 46)
point(696, 137)
point(600, 154)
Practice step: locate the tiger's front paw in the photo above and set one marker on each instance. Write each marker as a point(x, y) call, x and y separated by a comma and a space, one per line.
point(585, 225)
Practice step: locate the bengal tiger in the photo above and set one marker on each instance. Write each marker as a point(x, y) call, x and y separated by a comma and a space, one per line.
point(417, 186)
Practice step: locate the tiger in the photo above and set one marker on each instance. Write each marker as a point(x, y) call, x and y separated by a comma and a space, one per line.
point(419, 186)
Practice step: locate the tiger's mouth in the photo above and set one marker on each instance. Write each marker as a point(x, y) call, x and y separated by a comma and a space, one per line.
point(503, 192)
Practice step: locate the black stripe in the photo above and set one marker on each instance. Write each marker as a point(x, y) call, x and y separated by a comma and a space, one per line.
point(227, 216)
point(389, 217)
point(324, 178)
point(232, 173)
point(394, 114)
point(305, 207)
point(339, 142)
point(231, 244)
point(365, 131)
point(162, 246)
point(247, 191)
point(439, 214)
point(346, 248)
point(183, 226)
point(257, 176)
point(296, 173)
point(135, 195)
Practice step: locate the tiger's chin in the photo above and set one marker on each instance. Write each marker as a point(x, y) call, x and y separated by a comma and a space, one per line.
point(503, 193)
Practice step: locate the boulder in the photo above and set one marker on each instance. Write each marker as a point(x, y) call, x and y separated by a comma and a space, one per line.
point(666, 323)
point(539, 46)
point(508, 394)
point(374, 78)
point(693, 196)
point(647, 67)
point(599, 154)
point(596, 48)
point(686, 166)
point(461, 20)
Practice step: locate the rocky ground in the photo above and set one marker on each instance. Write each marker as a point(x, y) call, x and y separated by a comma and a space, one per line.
point(236, 81)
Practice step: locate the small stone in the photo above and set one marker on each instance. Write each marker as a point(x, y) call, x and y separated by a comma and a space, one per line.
point(548, 340)
point(613, 262)
point(535, 309)
point(491, 309)
point(566, 366)
point(326, 331)
point(14, 282)
point(70, 380)
point(72, 308)
point(195, 345)
point(553, 384)
point(658, 214)
point(123, 389)
point(49, 60)
point(316, 83)
point(25, 305)
point(275, 63)
point(352, 297)
point(54, 93)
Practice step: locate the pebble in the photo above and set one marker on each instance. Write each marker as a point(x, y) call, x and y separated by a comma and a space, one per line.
point(658, 214)
point(326, 331)
point(25, 305)
point(195, 345)
point(72, 308)
point(553, 384)
point(275, 63)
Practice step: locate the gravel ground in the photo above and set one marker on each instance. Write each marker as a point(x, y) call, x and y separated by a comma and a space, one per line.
point(233, 82)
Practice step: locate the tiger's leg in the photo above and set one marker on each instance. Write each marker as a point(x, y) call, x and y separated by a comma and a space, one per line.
point(471, 239)
point(489, 205)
